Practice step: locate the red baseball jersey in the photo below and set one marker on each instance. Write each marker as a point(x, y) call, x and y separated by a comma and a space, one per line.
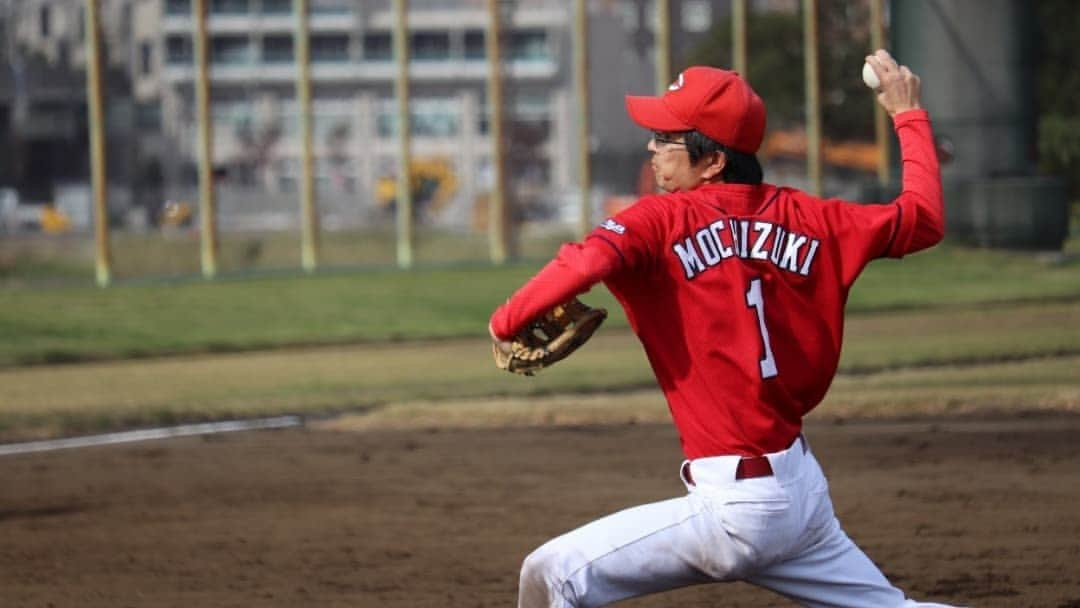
point(737, 292)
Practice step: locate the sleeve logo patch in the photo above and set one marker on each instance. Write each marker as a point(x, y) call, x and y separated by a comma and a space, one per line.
point(612, 225)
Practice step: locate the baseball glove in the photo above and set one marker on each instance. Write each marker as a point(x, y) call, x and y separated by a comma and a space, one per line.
point(550, 339)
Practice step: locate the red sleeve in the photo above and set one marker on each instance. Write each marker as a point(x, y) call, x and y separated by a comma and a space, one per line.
point(576, 268)
point(921, 204)
point(913, 221)
point(620, 243)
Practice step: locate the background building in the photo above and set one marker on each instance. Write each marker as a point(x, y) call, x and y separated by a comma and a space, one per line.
point(152, 110)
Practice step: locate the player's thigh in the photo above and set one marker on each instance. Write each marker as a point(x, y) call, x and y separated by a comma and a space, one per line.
point(644, 549)
point(832, 572)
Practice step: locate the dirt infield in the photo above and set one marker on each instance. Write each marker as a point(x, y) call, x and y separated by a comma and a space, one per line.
point(974, 512)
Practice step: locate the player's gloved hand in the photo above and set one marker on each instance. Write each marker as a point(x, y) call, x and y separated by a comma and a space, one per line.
point(549, 339)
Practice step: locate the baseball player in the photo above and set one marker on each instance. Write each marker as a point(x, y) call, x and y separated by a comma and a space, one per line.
point(736, 289)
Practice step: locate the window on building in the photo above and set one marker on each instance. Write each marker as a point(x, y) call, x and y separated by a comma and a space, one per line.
point(474, 44)
point(529, 169)
point(428, 117)
point(378, 46)
point(330, 48)
point(435, 117)
point(333, 129)
point(148, 116)
point(228, 7)
point(277, 49)
point(177, 7)
point(529, 45)
point(529, 115)
point(276, 7)
point(81, 25)
point(288, 171)
point(178, 50)
point(230, 50)
point(288, 184)
point(146, 58)
point(531, 107)
point(288, 117)
point(232, 116)
point(429, 46)
point(45, 21)
point(329, 7)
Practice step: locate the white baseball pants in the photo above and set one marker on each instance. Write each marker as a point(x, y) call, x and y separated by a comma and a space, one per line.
point(778, 532)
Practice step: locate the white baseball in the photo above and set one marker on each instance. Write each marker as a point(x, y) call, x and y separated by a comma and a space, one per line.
point(870, 77)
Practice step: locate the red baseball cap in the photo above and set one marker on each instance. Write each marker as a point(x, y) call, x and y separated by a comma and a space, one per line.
point(715, 102)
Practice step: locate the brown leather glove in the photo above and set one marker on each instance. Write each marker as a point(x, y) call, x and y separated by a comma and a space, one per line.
point(549, 339)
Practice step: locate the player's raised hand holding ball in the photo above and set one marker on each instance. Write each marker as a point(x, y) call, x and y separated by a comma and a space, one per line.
point(898, 88)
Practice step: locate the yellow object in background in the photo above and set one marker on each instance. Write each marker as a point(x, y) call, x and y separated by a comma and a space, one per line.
point(433, 182)
point(176, 213)
point(54, 221)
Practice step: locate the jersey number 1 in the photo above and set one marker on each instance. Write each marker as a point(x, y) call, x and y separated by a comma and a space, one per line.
point(755, 300)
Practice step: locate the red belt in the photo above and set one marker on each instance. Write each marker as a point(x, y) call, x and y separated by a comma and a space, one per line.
point(748, 467)
point(758, 466)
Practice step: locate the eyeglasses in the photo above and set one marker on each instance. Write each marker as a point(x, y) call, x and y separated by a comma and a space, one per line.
point(664, 138)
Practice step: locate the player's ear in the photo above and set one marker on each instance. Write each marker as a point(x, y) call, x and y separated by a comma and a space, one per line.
point(717, 161)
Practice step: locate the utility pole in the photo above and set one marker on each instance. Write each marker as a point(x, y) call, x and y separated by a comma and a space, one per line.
point(813, 97)
point(404, 204)
point(738, 37)
point(309, 210)
point(98, 180)
point(881, 121)
point(581, 86)
point(207, 202)
point(497, 228)
point(663, 45)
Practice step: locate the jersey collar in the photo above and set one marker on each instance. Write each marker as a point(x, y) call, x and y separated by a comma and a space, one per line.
point(736, 199)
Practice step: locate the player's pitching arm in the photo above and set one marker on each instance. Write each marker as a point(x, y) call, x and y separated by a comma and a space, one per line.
point(922, 222)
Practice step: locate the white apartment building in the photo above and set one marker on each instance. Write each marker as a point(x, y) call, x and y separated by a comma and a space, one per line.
point(255, 115)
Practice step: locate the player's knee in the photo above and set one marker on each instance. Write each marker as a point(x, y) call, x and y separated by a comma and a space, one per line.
point(540, 581)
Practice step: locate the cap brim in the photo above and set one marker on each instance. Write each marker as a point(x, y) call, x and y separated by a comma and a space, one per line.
point(651, 113)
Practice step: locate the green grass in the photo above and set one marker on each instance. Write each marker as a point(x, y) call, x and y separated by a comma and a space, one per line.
point(948, 276)
point(37, 258)
point(948, 330)
point(152, 318)
point(893, 363)
point(935, 332)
